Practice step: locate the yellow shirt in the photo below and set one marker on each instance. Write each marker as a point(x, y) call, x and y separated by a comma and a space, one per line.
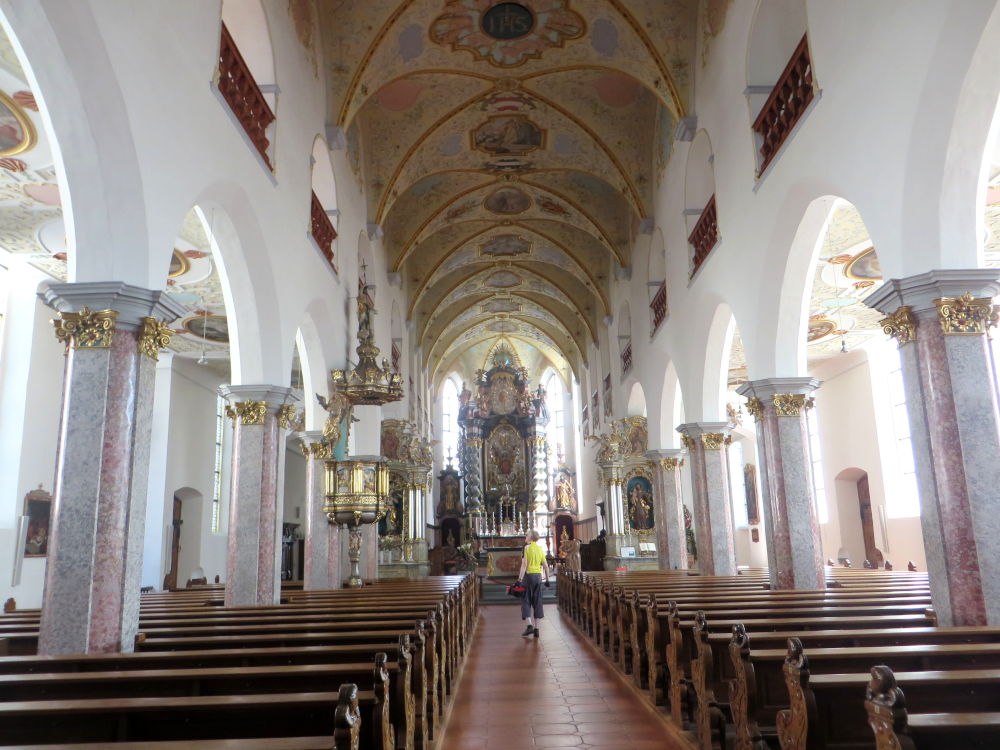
point(535, 556)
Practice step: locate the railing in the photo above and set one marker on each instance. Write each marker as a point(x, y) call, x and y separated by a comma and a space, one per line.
point(705, 234)
point(627, 358)
point(659, 305)
point(243, 95)
point(396, 354)
point(323, 231)
point(783, 108)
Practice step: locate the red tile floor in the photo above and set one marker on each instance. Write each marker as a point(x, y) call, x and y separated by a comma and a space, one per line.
point(555, 691)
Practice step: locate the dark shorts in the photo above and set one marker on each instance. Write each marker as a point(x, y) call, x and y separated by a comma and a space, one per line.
point(532, 601)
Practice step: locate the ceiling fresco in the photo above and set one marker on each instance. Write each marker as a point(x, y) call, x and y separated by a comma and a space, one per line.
point(508, 149)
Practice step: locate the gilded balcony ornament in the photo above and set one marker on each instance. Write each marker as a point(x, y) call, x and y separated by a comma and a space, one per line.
point(687, 441)
point(248, 413)
point(87, 329)
point(713, 441)
point(153, 336)
point(901, 325)
point(966, 315)
point(789, 404)
point(289, 418)
point(756, 408)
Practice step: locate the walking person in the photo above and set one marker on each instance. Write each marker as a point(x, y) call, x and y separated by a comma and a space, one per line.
point(532, 564)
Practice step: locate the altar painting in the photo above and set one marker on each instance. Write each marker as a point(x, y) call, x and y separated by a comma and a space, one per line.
point(639, 504)
point(505, 464)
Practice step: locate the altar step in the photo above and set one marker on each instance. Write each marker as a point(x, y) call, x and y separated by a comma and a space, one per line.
point(496, 593)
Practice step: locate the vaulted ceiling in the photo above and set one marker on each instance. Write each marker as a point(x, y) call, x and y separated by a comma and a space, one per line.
point(509, 152)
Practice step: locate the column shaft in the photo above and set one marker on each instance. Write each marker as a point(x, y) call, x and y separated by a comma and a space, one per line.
point(940, 320)
point(713, 514)
point(92, 581)
point(671, 540)
point(322, 556)
point(254, 510)
point(794, 547)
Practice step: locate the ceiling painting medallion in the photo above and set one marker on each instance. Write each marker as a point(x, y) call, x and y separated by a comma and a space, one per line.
point(506, 34)
point(504, 135)
point(505, 245)
point(864, 266)
point(503, 280)
point(507, 201)
point(500, 305)
point(210, 327)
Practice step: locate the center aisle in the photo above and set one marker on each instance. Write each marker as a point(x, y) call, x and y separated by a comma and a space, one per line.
point(554, 691)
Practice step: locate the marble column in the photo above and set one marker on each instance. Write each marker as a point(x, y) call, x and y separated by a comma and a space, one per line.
point(713, 514)
point(252, 566)
point(794, 547)
point(472, 468)
point(671, 540)
point(940, 320)
point(323, 554)
point(612, 479)
point(113, 333)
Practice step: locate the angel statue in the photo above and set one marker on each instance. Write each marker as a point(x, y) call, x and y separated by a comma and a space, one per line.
point(337, 408)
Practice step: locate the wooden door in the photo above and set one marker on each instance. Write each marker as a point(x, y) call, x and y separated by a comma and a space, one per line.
point(872, 552)
point(170, 581)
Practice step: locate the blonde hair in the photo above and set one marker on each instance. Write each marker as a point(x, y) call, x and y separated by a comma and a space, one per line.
point(534, 535)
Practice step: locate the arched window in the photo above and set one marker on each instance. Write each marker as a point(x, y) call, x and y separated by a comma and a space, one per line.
point(449, 419)
point(555, 400)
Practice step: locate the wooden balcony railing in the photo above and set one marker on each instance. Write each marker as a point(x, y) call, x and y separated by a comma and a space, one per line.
point(243, 95)
point(627, 358)
point(322, 230)
point(659, 305)
point(783, 108)
point(705, 234)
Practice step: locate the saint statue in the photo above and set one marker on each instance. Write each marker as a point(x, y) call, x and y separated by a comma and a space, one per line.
point(366, 309)
point(337, 408)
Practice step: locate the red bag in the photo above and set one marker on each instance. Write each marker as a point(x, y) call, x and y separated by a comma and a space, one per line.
point(516, 590)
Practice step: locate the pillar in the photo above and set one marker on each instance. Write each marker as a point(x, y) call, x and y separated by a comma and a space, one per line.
point(472, 468)
point(252, 567)
point(613, 482)
point(713, 513)
point(416, 515)
point(322, 555)
point(940, 320)
point(671, 539)
point(794, 548)
point(539, 480)
point(113, 333)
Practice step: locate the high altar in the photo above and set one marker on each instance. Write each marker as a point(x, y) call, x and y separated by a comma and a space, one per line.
point(504, 458)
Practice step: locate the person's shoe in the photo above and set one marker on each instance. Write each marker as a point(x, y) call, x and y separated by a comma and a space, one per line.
point(528, 631)
point(535, 633)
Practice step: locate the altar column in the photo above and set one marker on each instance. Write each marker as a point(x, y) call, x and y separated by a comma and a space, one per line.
point(940, 320)
point(416, 543)
point(794, 547)
point(713, 513)
point(254, 514)
point(472, 469)
point(671, 537)
point(539, 482)
point(323, 568)
point(113, 333)
point(613, 481)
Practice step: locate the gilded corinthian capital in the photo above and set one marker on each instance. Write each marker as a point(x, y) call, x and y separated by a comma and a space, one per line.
point(87, 329)
point(153, 336)
point(966, 315)
point(248, 413)
point(789, 404)
point(901, 325)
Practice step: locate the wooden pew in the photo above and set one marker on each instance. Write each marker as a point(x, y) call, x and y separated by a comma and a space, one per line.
point(894, 727)
point(337, 715)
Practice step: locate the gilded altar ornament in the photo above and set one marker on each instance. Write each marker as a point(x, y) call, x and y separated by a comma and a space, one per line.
point(248, 413)
point(901, 325)
point(966, 315)
point(756, 408)
point(713, 441)
point(87, 329)
point(789, 404)
point(153, 336)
